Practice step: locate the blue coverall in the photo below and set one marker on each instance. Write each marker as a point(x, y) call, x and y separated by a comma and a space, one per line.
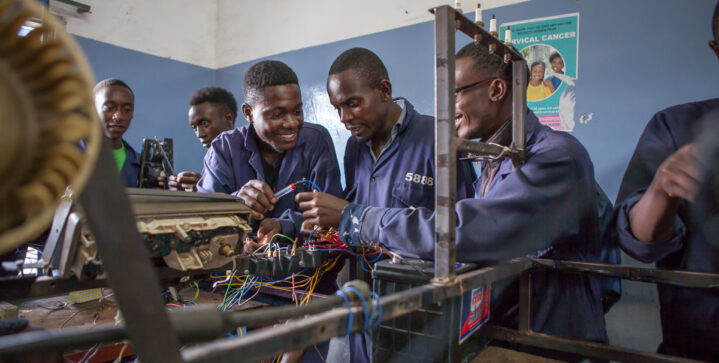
point(234, 159)
point(690, 316)
point(546, 208)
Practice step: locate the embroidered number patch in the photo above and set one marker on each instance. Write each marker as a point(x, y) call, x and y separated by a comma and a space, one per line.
point(419, 179)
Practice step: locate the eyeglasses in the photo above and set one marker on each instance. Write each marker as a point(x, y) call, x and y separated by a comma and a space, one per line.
point(475, 84)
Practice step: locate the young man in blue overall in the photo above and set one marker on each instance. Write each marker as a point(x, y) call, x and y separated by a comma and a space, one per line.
point(115, 104)
point(657, 221)
point(545, 208)
point(213, 110)
point(389, 159)
point(277, 148)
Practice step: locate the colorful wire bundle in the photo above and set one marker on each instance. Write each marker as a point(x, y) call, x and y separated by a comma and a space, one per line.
point(234, 296)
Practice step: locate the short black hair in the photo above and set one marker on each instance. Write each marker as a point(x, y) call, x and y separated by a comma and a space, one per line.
point(553, 56)
point(715, 23)
point(265, 74)
point(109, 82)
point(216, 95)
point(491, 64)
point(537, 63)
point(363, 61)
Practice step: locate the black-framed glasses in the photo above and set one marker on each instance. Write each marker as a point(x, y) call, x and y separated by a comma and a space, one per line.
point(475, 84)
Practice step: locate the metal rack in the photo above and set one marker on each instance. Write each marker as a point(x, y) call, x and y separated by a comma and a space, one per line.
point(447, 144)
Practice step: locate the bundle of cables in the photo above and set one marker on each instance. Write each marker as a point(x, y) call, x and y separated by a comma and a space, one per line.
point(332, 243)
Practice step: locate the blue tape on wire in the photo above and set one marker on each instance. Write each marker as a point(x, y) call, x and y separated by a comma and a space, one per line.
point(375, 298)
point(349, 308)
point(364, 307)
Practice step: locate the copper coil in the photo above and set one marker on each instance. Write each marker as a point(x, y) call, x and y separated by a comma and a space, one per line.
point(46, 113)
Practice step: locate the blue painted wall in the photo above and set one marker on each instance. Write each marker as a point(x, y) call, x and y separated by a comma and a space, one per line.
point(635, 58)
point(162, 89)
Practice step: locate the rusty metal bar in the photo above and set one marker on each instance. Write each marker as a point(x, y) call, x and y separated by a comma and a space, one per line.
point(323, 326)
point(519, 107)
point(126, 261)
point(525, 302)
point(445, 153)
point(670, 277)
point(591, 349)
point(477, 147)
point(480, 35)
point(293, 335)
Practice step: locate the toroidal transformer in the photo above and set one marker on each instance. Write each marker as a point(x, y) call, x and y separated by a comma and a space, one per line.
point(49, 130)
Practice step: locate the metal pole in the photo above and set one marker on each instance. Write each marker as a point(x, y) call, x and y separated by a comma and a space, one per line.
point(588, 349)
point(519, 106)
point(126, 261)
point(445, 154)
point(525, 302)
point(294, 334)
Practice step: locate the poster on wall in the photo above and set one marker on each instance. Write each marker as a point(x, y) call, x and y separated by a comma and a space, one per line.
point(551, 47)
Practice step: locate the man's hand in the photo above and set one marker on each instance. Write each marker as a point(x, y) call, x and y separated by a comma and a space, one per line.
point(268, 228)
point(250, 246)
point(321, 209)
point(258, 196)
point(185, 181)
point(679, 176)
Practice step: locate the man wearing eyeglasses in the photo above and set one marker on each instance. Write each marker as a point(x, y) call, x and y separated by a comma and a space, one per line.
point(546, 207)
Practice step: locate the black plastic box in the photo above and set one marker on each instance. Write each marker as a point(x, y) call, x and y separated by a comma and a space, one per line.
point(426, 335)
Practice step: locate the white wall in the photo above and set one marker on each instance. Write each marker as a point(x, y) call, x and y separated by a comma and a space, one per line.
point(251, 29)
point(220, 33)
point(184, 30)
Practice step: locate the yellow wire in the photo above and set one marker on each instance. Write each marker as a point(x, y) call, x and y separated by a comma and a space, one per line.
point(119, 356)
point(310, 282)
point(197, 291)
point(328, 265)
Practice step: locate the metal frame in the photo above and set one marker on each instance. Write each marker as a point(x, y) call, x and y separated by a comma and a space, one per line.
point(525, 336)
point(447, 144)
point(296, 334)
point(127, 263)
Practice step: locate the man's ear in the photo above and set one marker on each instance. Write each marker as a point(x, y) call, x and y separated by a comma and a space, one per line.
point(497, 90)
point(247, 112)
point(715, 47)
point(229, 120)
point(385, 90)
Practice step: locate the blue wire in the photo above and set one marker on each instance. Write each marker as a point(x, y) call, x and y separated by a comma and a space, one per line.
point(363, 268)
point(375, 297)
point(364, 306)
point(376, 259)
point(313, 184)
point(332, 250)
point(349, 308)
point(310, 237)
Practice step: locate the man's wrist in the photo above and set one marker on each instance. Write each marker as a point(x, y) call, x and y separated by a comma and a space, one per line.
point(350, 223)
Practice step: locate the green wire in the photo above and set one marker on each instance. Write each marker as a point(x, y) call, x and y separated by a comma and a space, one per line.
point(228, 289)
point(282, 235)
